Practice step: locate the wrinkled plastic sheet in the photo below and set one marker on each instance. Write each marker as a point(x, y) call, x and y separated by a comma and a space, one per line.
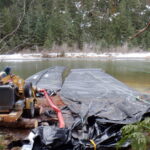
point(98, 106)
point(89, 92)
point(50, 79)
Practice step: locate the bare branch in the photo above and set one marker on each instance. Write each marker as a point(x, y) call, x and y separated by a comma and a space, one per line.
point(21, 44)
point(31, 3)
point(2, 49)
point(20, 21)
point(140, 32)
point(2, 25)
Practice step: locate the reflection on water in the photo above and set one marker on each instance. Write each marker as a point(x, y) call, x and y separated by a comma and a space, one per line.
point(135, 73)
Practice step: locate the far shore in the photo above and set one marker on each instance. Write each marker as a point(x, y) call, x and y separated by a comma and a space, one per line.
point(40, 56)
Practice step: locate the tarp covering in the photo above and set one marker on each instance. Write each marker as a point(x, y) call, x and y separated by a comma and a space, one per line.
point(89, 92)
point(50, 79)
point(98, 106)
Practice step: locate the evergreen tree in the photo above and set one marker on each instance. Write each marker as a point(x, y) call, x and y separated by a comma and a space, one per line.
point(108, 23)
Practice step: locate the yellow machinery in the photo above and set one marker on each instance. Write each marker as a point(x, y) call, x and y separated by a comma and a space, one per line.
point(17, 98)
point(17, 81)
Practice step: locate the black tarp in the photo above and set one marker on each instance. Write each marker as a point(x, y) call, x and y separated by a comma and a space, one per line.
point(50, 79)
point(98, 106)
point(90, 92)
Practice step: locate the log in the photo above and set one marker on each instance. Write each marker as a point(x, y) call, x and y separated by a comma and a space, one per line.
point(21, 123)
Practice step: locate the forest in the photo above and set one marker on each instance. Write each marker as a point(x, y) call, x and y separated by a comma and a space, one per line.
point(28, 24)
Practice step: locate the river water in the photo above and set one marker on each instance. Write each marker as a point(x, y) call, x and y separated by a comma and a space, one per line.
point(134, 73)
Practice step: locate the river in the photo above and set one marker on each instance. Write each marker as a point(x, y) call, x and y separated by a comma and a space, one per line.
point(134, 73)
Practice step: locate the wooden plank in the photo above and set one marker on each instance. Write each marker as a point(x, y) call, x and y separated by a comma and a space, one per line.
point(21, 123)
point(11, 117)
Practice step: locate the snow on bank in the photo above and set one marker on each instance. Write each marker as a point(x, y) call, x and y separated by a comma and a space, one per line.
point(40, 56)
point(20, 57)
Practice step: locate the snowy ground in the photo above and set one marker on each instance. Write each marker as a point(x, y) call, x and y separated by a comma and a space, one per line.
point(40, 56)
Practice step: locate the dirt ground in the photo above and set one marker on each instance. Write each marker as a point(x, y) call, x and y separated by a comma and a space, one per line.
point(7, 135)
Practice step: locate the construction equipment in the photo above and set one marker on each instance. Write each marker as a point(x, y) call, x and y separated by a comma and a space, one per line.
point(17, 98)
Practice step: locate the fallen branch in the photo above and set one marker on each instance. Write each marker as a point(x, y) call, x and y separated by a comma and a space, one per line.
point(140, 32)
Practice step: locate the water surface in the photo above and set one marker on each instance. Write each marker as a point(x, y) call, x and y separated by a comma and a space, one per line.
point(134, 73)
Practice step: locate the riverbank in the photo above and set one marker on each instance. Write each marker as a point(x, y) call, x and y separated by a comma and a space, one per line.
point(39, 56)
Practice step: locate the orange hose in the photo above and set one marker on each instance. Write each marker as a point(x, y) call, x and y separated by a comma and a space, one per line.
point(55, 108)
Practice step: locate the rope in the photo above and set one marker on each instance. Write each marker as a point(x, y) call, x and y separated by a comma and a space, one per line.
point(94, 144)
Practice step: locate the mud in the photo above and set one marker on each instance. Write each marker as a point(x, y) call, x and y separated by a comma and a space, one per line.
point(7, 135)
